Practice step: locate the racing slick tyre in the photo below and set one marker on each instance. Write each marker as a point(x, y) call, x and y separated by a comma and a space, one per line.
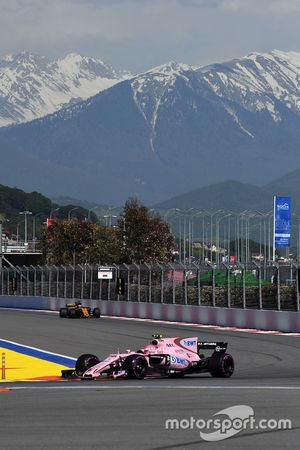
point(96, 313)
point(63, 312)
point(85, 362)
point(136, 367)
point(222, 367)
point(72, 314)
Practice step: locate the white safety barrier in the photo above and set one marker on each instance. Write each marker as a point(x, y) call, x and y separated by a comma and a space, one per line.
point(241, 318)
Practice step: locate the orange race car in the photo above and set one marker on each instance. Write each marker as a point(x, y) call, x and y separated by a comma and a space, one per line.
point(77, 311)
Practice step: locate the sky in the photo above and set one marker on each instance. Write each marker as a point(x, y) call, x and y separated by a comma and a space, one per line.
point(137, 35)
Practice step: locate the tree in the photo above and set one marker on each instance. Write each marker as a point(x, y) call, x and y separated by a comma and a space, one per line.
point(107, 245)
point(78, 242)
point(146, 238)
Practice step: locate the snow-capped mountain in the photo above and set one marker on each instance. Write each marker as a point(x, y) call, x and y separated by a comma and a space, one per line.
point(257, 82)
point(32, 86)
point(171, 129)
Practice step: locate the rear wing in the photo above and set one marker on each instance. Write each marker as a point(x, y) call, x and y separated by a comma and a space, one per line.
point(220, 347)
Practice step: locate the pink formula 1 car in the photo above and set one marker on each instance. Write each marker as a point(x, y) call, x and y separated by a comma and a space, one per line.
point(169, 357)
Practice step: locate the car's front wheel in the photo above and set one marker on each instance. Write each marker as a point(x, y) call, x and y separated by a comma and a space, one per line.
point(136, 367)
point(85, 362)
point(96, 313)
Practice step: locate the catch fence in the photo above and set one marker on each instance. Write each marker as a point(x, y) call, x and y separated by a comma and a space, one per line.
point(256, 286)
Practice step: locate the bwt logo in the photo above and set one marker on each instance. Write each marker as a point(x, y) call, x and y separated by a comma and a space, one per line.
point(189, 343)
point(176, 360)
point(284, 206)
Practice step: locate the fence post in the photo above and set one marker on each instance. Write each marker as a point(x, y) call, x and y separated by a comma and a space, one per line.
point(49, 280)
point(278, 288)
point(173, 283)
point(185, 272)
point(162, 284)
point(2, 280)
point(228, 287)
point(297, 285)
point(21, 280)
point(73, 282)
point(27, 282)
point(199, 285)
point(109, 289)
point(83, 272)
point(244, 287)
point(65, 282)
point(139, 281)
point(128, 281)
point(91, 281)
point(34, 279)
point(149, 282)
point(42, 280)
point(57, 281)
point(259, 286)
point(214, 284)
point(7, 279)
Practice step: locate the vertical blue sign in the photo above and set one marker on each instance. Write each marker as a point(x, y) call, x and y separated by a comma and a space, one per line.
point(282, 221)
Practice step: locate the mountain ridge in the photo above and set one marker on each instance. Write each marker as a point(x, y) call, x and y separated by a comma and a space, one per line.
point(164, 132)
point(32, 86)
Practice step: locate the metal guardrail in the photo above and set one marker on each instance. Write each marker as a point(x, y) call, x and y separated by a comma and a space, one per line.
point(265, 286)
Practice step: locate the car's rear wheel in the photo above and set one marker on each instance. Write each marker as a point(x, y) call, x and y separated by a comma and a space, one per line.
point(136, 367)
point(222, 367)
point(85, 362)
point(63, 312)
point(72, 313)
point(96, 313)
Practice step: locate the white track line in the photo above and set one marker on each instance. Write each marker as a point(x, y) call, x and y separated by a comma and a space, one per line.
point(46, 352)
point(97, 386)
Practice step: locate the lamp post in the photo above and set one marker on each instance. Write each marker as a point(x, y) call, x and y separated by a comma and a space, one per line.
point(182, 214)
point(89, 212)
point(211, 214)
point(108, 218)
point(25, 213)
point(218, 241)
point(69, 213)
point(240, 237)
point(109, 215)
point(191, 231)
point(53, 211)
point(18, 226)
point(170, 212)
point(33, 227)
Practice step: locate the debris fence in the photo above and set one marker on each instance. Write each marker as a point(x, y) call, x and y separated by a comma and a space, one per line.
point(256, 286)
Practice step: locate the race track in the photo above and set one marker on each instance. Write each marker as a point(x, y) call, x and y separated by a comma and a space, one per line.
point(128, 414)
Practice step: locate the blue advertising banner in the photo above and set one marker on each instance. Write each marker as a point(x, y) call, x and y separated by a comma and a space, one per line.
point(282, 221)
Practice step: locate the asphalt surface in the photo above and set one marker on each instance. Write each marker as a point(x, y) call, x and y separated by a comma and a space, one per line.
point(129, 414)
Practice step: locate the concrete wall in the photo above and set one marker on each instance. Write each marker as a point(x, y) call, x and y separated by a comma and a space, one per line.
point(241, 318)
